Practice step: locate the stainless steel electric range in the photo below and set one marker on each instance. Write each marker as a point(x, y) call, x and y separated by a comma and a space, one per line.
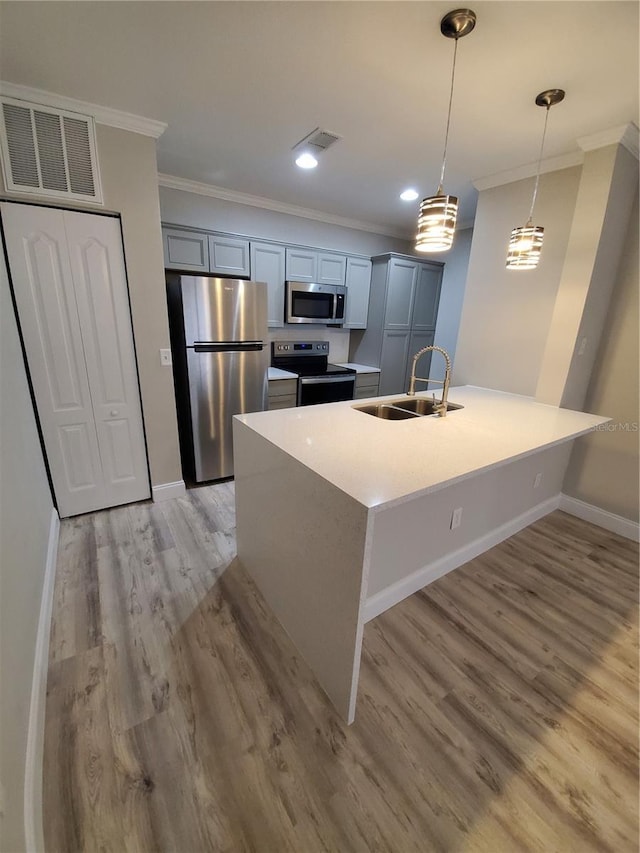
point(319, 381)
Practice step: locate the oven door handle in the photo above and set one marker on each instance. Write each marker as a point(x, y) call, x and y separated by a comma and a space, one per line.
point(325, 380)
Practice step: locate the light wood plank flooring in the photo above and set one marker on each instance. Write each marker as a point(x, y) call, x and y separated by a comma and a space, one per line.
point(497, 708)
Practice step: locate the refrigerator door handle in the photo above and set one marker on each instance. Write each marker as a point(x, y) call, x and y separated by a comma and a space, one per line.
point(228, 346)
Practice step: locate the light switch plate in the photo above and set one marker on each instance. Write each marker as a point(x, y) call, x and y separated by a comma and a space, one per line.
point(165, 357)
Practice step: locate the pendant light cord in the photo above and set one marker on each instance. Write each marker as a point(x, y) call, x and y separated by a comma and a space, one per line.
point(535, 188)
point(446, 133)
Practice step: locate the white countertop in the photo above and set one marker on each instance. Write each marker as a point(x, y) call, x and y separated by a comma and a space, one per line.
point(379, 462)
point(276, 373)
point(359, 368)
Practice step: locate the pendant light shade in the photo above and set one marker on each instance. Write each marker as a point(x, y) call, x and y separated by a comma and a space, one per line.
point(438, 213)
point(436, 223)
point(525, 243)
point(525, 246)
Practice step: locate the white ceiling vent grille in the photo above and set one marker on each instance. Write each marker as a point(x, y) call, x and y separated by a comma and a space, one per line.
point(317, 141)
point(49, 152)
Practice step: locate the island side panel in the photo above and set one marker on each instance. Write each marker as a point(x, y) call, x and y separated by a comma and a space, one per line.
point(303, 542)
point(413, 543)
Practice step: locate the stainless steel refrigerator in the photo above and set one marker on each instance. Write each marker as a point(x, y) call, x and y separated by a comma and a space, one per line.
point(220, 364)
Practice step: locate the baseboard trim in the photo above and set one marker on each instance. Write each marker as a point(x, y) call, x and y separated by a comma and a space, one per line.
point(394, 594)
point(600, 517)
point(33, 829)
point(167, 491)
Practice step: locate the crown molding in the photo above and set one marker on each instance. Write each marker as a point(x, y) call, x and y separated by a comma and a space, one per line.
point(624, 134)
point(186, 185)
point(102, 115)
point(551, 164)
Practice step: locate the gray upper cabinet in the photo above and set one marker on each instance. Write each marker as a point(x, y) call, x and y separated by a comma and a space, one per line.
point(310, 265)
point(358, 281)
point(302, 265)
point(403, 308)
point(185, 250)
point(400, 293)
point(268, 264)
point(331, 268)
point(229, 256)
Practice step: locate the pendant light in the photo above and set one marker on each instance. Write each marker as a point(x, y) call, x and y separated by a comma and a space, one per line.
point(438, 213)
point(525, 243)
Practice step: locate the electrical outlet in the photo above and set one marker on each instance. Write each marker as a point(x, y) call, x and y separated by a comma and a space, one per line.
point(456, 518)
point(538, 480)
point(165, 357)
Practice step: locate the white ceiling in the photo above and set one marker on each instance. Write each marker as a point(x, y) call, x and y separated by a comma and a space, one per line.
point(239, 83)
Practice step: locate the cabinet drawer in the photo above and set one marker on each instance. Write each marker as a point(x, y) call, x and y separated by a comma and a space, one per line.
point(287, 401)
point(366, 391)
point(283, 387)
point(367, 385)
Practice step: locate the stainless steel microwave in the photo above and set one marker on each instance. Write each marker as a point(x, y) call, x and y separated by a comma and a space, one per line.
point(308, 302)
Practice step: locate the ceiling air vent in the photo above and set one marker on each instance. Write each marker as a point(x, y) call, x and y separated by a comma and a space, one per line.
point(49, 152)
point(317, 141)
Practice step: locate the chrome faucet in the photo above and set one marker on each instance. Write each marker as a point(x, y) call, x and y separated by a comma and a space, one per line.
point(440, 407)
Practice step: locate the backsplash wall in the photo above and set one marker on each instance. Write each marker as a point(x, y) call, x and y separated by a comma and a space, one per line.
point(338, 338)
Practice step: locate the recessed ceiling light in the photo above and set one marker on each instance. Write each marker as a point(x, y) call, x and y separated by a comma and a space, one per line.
point(409, 195)
point(306, 161)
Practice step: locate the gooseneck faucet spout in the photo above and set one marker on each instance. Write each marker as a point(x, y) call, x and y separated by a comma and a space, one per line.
point(439, 407)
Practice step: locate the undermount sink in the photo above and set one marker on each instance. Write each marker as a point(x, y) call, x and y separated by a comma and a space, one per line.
point(420, 405)
point(388, 413)
point(403, 409)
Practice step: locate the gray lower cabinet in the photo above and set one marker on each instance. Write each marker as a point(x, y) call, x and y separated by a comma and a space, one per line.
point(418, 340)
point(393, 361)
point(358, 281)
point(367, 385)
point(282, 393)
point(403, 308)
point(268, 264)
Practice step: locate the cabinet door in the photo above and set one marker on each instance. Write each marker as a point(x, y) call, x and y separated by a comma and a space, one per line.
point(229, 256)
point(393, 362)
point(100, 283)
point(425, 304)
point(358, 281)
point(401, 285)
point(267, 264)
point(185, 250)
point(331, 268)
point(302, 265)
point(417, 340)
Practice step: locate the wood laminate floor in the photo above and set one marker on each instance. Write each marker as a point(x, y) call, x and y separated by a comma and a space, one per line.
point(497, 709)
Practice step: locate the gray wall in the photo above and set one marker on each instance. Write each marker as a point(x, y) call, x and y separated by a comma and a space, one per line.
point(454, 280)
point(604, 464)
point(199, 211)
point(506, 313)
point(25, 518)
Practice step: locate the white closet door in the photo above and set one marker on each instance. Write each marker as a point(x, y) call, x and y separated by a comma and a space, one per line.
point(97, 267)
point(46, 298)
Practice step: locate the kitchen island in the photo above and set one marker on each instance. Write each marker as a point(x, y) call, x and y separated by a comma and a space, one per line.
point(341, 515)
